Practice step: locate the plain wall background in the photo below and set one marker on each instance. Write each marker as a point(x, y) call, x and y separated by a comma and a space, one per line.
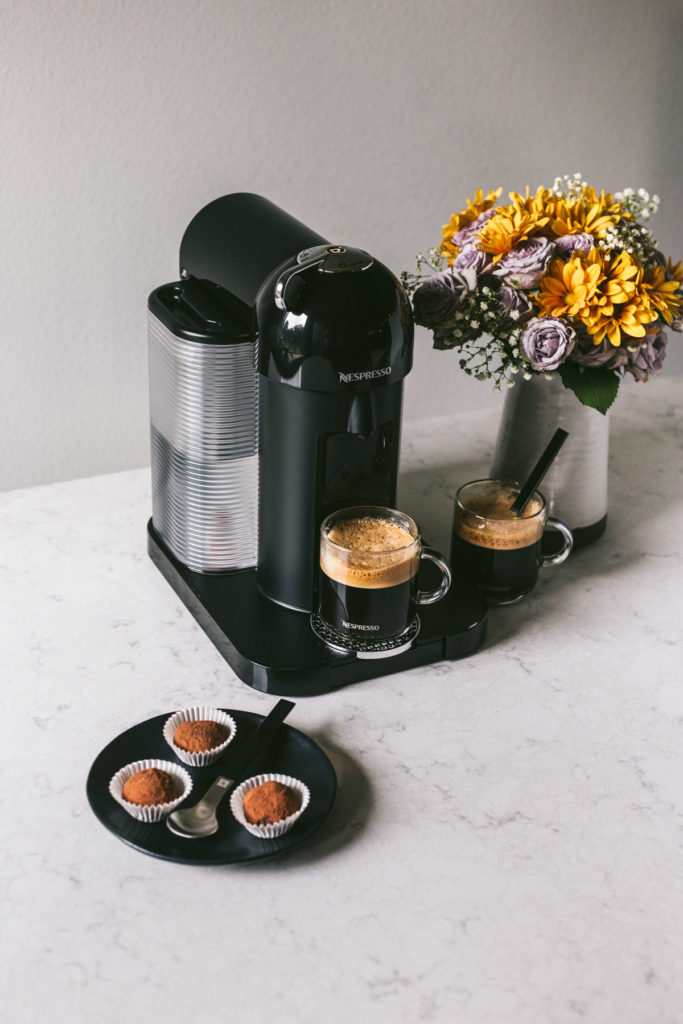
point(370, 120)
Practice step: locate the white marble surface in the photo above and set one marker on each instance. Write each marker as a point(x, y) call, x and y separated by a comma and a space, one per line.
point(506, 844)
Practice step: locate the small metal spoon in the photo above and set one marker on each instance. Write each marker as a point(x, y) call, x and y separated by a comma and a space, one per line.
point(200, 820)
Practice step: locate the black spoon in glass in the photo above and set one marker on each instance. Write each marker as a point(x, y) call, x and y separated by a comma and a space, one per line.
point(539, 471)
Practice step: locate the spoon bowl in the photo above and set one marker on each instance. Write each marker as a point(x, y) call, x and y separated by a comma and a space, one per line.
point(200, 820)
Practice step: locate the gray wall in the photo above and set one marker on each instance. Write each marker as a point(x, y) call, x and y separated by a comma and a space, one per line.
point(371, 120)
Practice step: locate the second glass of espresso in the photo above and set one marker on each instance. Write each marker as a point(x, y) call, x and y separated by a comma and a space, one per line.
point(497, 551)
point(369, 561)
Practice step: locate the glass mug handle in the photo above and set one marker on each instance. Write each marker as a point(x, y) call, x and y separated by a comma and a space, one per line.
point(556, 524)
point(431, 596)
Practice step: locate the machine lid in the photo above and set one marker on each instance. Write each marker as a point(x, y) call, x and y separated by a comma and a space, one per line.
point(236, 241)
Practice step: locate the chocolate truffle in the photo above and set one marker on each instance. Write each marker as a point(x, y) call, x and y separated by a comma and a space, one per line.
point(197, 737)
point(150, 786)
point(270, 802)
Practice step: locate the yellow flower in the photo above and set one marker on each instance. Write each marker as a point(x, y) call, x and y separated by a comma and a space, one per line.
point(587, 211)
point(629, 319)
point(604, 201)
point(661, 293)
point(566, 290)
point(503, 232)
point(618, 282)
point(618, 303)
point(536, 206)
point(464, 217)
point(579, 217)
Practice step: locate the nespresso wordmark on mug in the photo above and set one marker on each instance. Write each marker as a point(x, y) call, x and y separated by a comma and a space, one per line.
point(497, 551)
point(369, 562)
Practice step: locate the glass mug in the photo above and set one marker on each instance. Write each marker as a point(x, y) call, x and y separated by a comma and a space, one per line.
point(369, 561)
point(496, 551)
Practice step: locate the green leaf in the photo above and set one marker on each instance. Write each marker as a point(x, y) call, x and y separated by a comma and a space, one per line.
point(593, 385)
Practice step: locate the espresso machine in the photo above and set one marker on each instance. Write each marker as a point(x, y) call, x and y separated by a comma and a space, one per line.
point(276, 367)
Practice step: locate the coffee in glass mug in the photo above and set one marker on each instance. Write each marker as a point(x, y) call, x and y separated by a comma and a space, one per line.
point(495, 550)
point(369, 561)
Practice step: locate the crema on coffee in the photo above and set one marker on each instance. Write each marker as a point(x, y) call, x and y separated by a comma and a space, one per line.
point(369, 553)
point(484, 517)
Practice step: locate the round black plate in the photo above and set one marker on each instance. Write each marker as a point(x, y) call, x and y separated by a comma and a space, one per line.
point(290, 753)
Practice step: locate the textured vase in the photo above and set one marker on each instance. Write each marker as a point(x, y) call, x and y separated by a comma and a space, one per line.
point(576, 484)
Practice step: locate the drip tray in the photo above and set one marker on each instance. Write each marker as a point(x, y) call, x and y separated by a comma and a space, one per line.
point(274, 650)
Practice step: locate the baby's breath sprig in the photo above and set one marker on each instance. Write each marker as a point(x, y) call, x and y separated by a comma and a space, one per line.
point(488, 342)
point(433, 260)
point(638, 202)
point(634, 238)
point(569, 186)
point(487, 360)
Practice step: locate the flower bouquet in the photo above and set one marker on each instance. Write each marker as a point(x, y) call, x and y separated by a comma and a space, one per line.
point(567, 281)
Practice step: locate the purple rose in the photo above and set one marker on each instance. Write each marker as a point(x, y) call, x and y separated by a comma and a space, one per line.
point(435, 301)
point(465, 235)
point(587, 353)
point(649, 356)
point(442, 339)
point(547, 341)
point(516, 305)
point(567, 244)
point(472, 258)
point(525, 265)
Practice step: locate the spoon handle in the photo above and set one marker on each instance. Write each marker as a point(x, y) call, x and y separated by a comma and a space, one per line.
point(260, 738)
point(539, 470)
point(215, 794)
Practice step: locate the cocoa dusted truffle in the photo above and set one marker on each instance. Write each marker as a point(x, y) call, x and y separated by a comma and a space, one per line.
point(270, 802)
point(197, 737)
point(150, 786)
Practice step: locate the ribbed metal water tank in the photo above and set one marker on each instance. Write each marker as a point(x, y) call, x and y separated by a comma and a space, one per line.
point(203, 411)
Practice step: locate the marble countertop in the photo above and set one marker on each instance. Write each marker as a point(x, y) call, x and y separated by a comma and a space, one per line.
point(506, 842)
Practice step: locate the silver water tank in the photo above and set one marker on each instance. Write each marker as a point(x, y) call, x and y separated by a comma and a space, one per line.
point(203, 410)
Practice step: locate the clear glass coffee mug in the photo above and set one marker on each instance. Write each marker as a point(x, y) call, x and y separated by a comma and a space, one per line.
point(496, 551)
point(369, 562)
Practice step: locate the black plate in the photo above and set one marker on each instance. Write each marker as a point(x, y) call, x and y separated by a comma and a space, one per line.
point(290, 753)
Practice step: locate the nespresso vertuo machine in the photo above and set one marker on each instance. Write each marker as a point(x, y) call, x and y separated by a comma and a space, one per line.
point(276, 385)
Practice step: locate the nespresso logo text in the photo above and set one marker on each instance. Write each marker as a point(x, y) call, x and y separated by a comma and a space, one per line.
point(346, 378)
point(357, 625)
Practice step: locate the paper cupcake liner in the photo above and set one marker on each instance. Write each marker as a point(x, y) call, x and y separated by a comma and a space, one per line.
point(153, 812)
point(278, 828)
point(204, 757)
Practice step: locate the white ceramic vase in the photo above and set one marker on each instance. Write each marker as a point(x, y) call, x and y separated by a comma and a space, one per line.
point(576, 484)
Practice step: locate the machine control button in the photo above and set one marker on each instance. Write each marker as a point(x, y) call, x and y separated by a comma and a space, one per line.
point(340, 259)
point(330, 259)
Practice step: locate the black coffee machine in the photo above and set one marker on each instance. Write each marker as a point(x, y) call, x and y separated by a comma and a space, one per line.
point(276, 385)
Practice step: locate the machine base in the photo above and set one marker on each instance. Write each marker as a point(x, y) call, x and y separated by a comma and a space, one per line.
point(274, 650)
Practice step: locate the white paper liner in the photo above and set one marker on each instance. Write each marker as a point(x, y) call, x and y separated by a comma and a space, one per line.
point(278, 828)
point(199, 714)
point(153, 812)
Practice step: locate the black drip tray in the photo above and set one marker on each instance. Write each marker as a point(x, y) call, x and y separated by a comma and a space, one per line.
point(274, 650)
